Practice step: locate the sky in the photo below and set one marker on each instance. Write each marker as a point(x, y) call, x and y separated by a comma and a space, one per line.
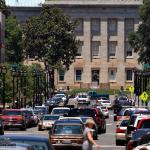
point(28, 3)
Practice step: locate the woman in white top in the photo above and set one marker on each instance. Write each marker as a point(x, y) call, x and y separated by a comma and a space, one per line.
point(88, 135)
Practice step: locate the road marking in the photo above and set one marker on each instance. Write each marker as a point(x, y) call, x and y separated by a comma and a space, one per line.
point(109, 124)
point(110, 146)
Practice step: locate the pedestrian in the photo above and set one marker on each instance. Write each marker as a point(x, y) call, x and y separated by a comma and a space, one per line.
point(88, 141)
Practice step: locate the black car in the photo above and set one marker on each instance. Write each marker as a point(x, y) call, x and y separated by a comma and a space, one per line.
point(139, 137)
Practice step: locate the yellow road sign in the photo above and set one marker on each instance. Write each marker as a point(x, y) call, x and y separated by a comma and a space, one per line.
point(131, 89)
point(144, 96)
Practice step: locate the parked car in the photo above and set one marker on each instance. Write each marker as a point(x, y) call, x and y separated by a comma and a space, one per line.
point(13, 118)
point(37, 142)
point(47, 121)
point(60, 111)
point(67, 134)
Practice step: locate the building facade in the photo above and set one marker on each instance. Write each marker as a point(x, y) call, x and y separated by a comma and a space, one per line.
point(2, 37)
point(105, 58)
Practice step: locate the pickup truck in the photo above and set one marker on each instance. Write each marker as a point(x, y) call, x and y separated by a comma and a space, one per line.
point(13, 118)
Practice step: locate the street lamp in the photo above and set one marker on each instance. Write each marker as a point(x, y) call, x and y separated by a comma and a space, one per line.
point(13, 73)
point(3, 71)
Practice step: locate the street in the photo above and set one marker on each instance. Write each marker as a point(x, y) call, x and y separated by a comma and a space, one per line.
point(107, 140)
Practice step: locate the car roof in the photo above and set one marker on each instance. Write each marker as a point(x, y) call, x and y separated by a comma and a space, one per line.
point(68, 121)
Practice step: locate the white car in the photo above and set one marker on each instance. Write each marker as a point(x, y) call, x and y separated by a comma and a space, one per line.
point(106, 103)
point(63, 97)
point(83, 98)
point(105, 111)
point(143, 147)
point(60, 111)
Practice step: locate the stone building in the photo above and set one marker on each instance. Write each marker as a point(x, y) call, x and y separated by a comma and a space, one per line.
point(2, 37)
point(105, 56)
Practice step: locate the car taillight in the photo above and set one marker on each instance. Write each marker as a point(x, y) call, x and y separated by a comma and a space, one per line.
point(118, 130)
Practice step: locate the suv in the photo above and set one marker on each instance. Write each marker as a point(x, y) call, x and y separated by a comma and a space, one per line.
point(13, 118)
point(95, 113)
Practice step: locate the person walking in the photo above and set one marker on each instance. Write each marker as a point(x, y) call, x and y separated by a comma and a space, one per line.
point(88, 140)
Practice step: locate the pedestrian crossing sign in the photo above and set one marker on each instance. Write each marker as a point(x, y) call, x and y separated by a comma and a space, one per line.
point(131, 89)
point(144, 96)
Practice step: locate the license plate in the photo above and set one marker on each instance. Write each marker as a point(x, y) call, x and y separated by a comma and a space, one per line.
point(66, 142)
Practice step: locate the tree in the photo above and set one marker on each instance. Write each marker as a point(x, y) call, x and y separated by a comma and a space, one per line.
point(52, 38)
point(13, 33)
point(4, 8)
point(140, 40)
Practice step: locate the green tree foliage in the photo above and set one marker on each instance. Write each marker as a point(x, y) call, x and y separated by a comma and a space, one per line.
point(4, 8)
point(51, 36)
point(13, 33)
point(140, 40)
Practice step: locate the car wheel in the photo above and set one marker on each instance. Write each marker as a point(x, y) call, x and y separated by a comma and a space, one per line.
point(23, 128)
point(117, 142)
point(39, 129)
point(99, 130)
point(104, 129)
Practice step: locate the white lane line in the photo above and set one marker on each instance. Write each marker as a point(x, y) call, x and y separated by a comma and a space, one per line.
point(109, 124)
point(110, 146)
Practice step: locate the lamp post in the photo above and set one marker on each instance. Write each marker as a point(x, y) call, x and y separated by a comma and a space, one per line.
point(13, 73)
point(3, 71)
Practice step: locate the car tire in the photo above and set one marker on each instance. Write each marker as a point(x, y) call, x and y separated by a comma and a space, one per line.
point(23, 128)
point(117, 142)
point(39, 129)
point(104, 129)
point(99, 130)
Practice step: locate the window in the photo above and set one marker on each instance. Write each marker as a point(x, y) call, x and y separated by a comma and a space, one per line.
point(129, 76)
point(95, 26)
point(129, 26)
point(95, 48)
point(128, 49)
point(79, 52)
point(112, 48)
point(95, 76)
point(61, 75)
point(79, 28)
point(78, 76)
point(112, 27)
point(112, 74)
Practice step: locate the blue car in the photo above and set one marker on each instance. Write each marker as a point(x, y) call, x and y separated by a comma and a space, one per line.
point(37, 142)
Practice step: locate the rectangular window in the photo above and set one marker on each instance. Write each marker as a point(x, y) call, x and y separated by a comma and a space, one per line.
point(112, 48)
point(95, 48)
point(129, 75)
point(112, 27)
point(95, 26)
point(95, 76)
point(112, 74)
point(79, 28)
point(129, 25)
point(79, 52)
point(78, 75)
point(128, 49)
point(61, 75)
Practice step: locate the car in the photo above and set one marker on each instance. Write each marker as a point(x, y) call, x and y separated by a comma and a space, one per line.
point(60, 111)
point(106, 103)
point(32, 119)
point(137, 138)
point(43, 109)
point(104, 110)
point(63, 96)
point(47, 122)
point(93, 112)
point(13, 118)
point(54, 102)
point(67, 134)
point(121, 129)
point(82, 98)
point(37, 142)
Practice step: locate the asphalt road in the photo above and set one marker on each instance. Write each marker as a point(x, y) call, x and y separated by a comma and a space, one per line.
point(107, 140)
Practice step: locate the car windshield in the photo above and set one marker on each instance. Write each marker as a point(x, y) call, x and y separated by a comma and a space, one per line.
point(68, 129)
point(28, 112)
point(103, 98)
point(137, 134)
point(124, 123)
point(59, 96)
point(50, 117)
point(82, 96)
point(12, 113)
point(106, 102)
point(146, 124)
point(60, 111)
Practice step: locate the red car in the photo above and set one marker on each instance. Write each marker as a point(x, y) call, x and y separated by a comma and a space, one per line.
point(13, 118)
